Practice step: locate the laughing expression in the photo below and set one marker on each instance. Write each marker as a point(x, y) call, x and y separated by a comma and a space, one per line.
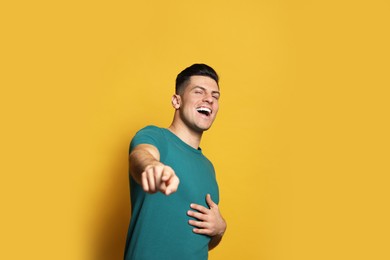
point(199, 103)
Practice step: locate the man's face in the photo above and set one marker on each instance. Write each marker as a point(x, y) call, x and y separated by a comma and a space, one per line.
point(199, 103)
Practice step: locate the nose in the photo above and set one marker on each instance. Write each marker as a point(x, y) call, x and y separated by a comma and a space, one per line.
point(208, 98)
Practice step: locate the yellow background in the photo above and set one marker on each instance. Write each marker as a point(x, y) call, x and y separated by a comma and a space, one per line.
point(301, 143)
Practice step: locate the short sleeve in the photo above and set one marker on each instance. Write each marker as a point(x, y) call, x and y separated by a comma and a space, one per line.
point(149, 135)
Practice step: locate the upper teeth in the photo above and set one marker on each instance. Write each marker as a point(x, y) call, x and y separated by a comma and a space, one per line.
point(208, 110)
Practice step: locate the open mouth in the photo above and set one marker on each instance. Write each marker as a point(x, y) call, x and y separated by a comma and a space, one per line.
point(204, 110)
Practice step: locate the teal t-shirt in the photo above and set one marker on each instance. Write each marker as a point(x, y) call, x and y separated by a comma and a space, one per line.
point(159, 226)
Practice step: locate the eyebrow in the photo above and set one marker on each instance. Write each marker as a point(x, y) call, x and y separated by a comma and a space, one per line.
point(204, 89)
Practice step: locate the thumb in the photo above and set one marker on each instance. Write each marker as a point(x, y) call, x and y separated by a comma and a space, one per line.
point(209, 201)
point(166, 175)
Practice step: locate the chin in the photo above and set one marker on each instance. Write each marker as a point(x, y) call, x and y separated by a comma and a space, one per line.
point(204, 128)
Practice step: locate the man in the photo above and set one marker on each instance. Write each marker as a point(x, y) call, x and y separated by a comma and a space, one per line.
point(174, 192)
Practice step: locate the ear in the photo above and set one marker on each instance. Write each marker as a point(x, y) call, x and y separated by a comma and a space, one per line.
point(176, 101)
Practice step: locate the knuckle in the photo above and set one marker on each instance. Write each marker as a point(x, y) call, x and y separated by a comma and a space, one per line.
point(149, 171)
point(149, 168)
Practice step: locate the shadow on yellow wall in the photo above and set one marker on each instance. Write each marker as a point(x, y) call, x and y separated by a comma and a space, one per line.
point(112, 210)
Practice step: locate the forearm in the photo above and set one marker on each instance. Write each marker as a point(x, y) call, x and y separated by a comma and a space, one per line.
point(215, 240)
point(147, 170)
point(139, 159)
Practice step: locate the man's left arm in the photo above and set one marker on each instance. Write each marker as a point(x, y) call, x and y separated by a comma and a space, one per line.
point(209, 221)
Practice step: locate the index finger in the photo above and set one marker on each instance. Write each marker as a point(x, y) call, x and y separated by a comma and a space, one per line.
point(167, 173)
point(199, 208)
point(173, 184)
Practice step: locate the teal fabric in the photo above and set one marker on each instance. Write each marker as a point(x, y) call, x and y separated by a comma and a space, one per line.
point(159, 226)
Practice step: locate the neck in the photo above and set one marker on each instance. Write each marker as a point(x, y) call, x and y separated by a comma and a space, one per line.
point(187, 135)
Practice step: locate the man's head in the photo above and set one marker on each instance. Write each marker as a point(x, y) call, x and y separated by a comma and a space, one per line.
point(197, 69)
point(197, 97)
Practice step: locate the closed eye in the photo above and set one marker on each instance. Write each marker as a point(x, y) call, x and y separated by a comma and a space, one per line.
point(198, 90)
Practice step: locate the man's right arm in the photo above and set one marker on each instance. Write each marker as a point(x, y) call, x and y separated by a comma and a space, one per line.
point(147, 170)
